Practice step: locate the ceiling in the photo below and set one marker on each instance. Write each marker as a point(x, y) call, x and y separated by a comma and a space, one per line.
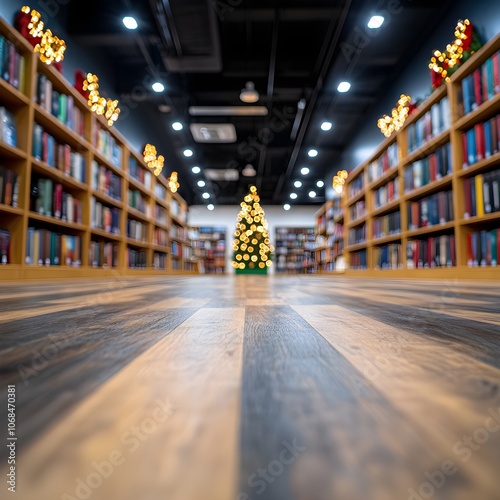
point(295, 52)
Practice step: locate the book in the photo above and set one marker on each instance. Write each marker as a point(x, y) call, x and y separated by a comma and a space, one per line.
point(4, 246)
point(8, 133)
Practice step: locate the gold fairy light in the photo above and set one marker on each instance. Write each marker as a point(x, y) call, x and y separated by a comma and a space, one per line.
point(389, 124)
point(36, 24)
point(173, 183)
point(153, 162)
point(339, 181)
point(98, 104)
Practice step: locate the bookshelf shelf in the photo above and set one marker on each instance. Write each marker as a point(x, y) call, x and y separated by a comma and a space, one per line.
point(478, 167)
point(414, 233)
point(59, 130)
point(430, 188)
point(54, 174)
point(356, 198)
point(386, 239)
point(357, 246)
point(427, 148)
point(388, 207)
point(107, 199)
point(383, 179)
point(11, 152)
point(11, 210)
point(56, 222)
point(480, 220)
point(482, 112)
point(11, 95)
point(357, 222)
point(104, 234)
point(95, 145)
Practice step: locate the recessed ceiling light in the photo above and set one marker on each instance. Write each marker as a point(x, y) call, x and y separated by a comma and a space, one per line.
point(344, 86)
point(286, 206)
point(297, 184)
point(375, 22)
point(206, 196)
point(249, 171)
point(201, 183)
point(196, 170)
point(249, 94)
point(177, 126)
point(293, 196)
point(188, 153)
point(130, 23)
point(320, 184)
point(326, 126)
point(312, 153)
point(210, 206)
point(312, 194)
point(158, 87)
point(304, 170)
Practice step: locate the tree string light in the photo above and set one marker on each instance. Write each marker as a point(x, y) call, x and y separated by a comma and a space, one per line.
point(394, 122)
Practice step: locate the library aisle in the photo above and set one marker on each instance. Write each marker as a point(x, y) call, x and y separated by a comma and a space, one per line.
point(244, 387)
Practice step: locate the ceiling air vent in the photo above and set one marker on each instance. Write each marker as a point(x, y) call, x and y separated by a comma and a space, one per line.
point(213, 132)
point(222, 174)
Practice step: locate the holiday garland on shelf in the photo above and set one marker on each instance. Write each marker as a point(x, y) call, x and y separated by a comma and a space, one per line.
point(444, 64)
point(394, 122)
point(251, 245)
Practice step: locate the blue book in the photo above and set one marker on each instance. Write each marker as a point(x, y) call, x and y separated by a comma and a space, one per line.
point(488, 150)
point(471, 146)
point(490, 78)
point(468, 93)
point(37, 141)
point(51, 150)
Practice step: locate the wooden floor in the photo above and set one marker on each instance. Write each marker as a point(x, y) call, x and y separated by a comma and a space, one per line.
point(244, 388)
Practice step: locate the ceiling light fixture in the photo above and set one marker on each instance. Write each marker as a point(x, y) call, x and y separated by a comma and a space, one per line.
point(130, 23)
point(287, 206)
point(312, 153)
point(201, 184)
point(188, 153)
point(293, 196)
point(297, 184)
point(326, 126)
point(210, 206)
point(344, 87)
point(206, 196)
point(304, 170)
point(312, 194)
point(249, 94)
point(249, 171)
point(158, 87)
point(375, 22)
point(196, 170)
point(177, 126)
point(320, 184)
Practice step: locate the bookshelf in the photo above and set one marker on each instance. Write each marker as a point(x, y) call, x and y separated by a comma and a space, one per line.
point(295, 250)
point(80, 202)
point(329, 237)
point(427, 203)
point(209, 245)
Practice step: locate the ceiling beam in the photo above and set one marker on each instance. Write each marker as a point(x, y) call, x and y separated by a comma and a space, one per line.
point(307, 14)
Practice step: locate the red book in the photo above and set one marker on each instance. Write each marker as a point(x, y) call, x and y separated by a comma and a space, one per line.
point(433, 167)
point(45, 147)
point(465, 153)
point(67, 159)
point(58, 200)
point(470, 255)
point(478, 97)
point(484, 78)
point(7, 189)
point(488, 250)
point(452, 251)
point(416, 251)
point(480, 144)
point(496, 72)
point(442, 207)
point(430, 251)
point(414, 214)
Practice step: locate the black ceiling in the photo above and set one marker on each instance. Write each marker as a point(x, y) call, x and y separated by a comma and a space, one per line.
point(204, 51)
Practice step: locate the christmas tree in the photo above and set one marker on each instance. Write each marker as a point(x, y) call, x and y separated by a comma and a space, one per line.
point(251, 245)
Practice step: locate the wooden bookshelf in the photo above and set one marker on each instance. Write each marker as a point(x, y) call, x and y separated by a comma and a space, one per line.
point(329, 237)
point(210, 247)
point(114, 154)
point(295, 250)
point(455, 123)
